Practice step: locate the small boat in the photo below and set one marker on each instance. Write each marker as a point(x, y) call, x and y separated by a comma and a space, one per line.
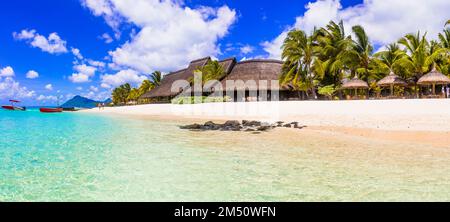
point(51, 110)
point(13, 107)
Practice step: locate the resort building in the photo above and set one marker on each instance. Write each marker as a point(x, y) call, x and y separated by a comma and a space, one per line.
point(251, 80)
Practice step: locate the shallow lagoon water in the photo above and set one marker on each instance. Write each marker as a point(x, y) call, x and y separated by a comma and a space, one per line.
point(87, 157)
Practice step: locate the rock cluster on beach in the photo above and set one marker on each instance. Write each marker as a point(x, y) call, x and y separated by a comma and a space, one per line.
point(245, 125)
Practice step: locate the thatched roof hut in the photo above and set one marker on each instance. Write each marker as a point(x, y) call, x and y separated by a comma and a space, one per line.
point(391, 80)
point(253, 71)
point(434, 78)
point(165, 89)
point(228, 64)
point(355, 83)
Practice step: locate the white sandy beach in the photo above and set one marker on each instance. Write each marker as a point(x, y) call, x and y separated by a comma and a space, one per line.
point(401, 115)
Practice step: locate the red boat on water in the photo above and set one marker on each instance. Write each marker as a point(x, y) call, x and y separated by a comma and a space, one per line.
point(51, 110)
point(13, 107)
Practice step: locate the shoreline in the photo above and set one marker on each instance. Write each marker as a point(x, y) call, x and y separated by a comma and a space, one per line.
point(430, 115)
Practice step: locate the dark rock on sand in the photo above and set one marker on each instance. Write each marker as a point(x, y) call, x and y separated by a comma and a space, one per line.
point(234, 125)
point(263, 128)
point(251, 123)
point(194, 126)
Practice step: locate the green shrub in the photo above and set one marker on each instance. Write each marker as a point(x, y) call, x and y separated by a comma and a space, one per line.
point(327, 91)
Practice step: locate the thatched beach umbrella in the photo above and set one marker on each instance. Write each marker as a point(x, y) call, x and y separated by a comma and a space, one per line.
point(434, 78)
point(392, 80)
point(356, 84)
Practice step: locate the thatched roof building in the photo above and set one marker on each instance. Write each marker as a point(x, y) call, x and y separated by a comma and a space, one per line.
point(165, 89)
point(391, 80)
point(434, 78)
point(258, 70)
point(355, 83)
point(254, 70)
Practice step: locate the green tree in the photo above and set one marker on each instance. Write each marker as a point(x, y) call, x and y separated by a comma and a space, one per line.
point(155, 79)
point(146, 86)
point(327, 91)
point(333, 44)
point(444, 62)
point(212, 71)
point(389, 60)
point(359, 57)
point(299, 54)
point(133, 95)
point(421, 55)
point(120, 94)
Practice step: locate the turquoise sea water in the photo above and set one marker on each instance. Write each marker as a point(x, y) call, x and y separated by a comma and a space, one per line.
point(85, 157)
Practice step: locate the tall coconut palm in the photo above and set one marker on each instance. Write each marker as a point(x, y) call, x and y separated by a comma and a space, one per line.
point(388, 60)
point(155, 79)
point(418, 59)
point(145, 87)
point(212, 71)
point(358, 58)
point(121, 93)
point(332, 44)
point(299, 55)
point(133, 95)
point(444, 38)
point(421, 55)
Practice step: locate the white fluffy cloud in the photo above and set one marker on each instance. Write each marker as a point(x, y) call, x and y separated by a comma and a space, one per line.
point(10, 89)
point(49, 87)
point(93, 88)
point(121, 77)
point(83, 73)
point(105, 86)
point(7, 72)
point(46, 98)
point(76, 52)
point(171, 34)
point(52, 44)
point(246, 49)
point(384, 21)
point(32, 74)
point(106, 38)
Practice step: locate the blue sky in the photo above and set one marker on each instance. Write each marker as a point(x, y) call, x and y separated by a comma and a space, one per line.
point(245, 29)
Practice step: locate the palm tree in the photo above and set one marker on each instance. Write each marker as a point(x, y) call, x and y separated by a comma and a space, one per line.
point(212, 71)
point(155, 79)
point(421, 55)
point(417, 60)
point(133, 95)
point(299, 55)
point(333, 43)
point(121, 93)
point(358, 58)
point(145, 87)
point(388, 60)
point(444, 38)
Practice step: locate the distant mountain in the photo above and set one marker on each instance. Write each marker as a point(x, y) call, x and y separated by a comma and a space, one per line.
point(82, 102)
